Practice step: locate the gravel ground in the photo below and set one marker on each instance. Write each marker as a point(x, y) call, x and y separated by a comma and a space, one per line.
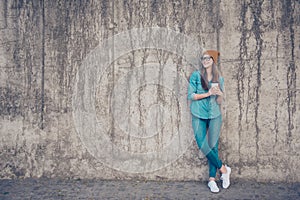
point(100, 189)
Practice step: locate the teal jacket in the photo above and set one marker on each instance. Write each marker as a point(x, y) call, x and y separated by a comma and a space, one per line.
point(206, 108)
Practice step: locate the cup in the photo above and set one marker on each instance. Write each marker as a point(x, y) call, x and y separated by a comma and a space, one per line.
point(214, 85)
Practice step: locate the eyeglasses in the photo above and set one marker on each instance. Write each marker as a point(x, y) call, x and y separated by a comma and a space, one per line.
point(206, 58)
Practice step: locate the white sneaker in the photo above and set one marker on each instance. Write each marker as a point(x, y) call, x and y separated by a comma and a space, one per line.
point(213, 186)
point(226, 178)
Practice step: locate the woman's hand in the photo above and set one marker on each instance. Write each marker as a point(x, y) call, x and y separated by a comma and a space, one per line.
point(215, 91)
point(218, 92)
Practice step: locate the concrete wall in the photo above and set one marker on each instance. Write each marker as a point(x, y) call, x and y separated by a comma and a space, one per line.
point(97, 89)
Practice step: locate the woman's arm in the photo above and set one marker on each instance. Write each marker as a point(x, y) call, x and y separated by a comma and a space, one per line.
point(202, 96)
point(192, 89)
point(219, 97)
point(212, 91)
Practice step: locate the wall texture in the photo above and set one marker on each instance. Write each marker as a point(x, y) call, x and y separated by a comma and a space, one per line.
point(81, 95)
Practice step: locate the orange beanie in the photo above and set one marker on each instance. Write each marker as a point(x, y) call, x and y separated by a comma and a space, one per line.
point(214, 54)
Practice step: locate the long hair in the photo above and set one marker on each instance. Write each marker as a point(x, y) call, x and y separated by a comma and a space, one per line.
point(215, 74)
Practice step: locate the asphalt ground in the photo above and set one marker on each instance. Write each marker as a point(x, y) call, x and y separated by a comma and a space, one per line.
point(110, 189)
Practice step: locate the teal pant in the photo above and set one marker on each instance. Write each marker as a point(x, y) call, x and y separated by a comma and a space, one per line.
point(207, 132)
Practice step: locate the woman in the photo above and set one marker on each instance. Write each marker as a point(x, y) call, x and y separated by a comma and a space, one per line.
point(205, 91)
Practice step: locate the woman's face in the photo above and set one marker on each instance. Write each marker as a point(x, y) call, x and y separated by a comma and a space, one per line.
point(207, 61)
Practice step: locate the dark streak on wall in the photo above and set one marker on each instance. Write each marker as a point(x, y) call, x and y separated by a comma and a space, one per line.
point(10, 102)
point(41, 125)
point(241, 71)
point(288, 26)
point(276, 120)
point(256, 9)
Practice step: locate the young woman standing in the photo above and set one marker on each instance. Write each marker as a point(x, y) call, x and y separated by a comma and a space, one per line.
point(205, 90)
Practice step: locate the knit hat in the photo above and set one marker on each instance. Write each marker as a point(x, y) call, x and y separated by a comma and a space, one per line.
point(214, 54)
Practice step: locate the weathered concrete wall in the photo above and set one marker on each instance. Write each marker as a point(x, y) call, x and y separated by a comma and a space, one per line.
point(74, 104)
